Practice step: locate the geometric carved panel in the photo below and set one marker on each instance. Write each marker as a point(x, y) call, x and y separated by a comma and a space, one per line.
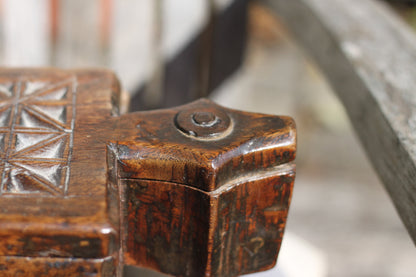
point(36, 136)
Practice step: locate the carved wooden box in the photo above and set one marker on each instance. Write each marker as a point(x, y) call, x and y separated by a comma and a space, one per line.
point(198, 190)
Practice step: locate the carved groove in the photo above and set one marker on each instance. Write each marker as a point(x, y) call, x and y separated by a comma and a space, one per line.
point(36, 134)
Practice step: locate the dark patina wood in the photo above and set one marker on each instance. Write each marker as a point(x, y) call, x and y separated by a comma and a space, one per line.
point(53, 202)
point(197, 190)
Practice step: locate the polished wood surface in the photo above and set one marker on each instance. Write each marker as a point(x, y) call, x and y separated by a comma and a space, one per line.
point(53, 166)
point(208, 192)
point(196, 190)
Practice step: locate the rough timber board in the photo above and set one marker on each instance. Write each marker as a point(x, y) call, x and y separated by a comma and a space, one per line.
point(369, 57)
point(53, 194)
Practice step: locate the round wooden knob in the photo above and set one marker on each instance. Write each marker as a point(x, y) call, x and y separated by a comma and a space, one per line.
point(204, 122)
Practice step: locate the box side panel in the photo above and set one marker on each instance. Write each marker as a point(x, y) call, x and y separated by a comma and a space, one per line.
point(251, 221)
point(167, 227)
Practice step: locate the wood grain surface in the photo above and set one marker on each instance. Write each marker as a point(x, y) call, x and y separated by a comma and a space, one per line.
point(208, 193)
point(53, 166)
point(197, 190)
point(369, 55)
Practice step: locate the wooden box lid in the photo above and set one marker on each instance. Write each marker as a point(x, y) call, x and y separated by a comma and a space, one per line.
point(204, 145)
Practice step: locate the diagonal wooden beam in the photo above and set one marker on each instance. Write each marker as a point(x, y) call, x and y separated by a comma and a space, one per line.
point(369, 57)
point(222, 42)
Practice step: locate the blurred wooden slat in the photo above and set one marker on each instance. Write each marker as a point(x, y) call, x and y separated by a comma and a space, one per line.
point(54, 20)
point(369, 56)
point(106, 19)
point(79, 37)
point(140, 40)
point(169, 49)
point(229, 42)
point(183, 20)
point(26, 32)
point(182, 69)
point(206, 50)
point(154, 87)
point(131, 40)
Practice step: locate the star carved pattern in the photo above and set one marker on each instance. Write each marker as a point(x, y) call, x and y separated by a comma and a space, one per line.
point(36, 134)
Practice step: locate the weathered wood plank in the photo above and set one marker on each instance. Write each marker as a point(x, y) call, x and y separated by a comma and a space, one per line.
point(369, 57)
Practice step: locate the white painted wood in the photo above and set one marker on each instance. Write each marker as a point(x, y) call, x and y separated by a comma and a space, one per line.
point(130, 51)
point(26, 33)
point(369, 57)
point(131, 40)
point(132, 44)
point(79, 43)
point(183, 20)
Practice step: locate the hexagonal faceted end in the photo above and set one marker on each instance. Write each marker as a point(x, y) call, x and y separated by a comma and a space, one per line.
point(203, 145)
point(206, 188)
